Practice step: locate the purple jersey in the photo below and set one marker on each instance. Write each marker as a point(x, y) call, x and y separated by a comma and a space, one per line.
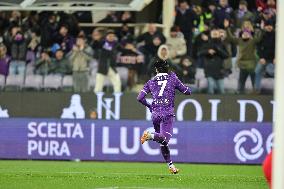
point(162, 88)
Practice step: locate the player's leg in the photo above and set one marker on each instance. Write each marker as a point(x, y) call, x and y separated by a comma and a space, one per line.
point(163, 137)
point(147, 135)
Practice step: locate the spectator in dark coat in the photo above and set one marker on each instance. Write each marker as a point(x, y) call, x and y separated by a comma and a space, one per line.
point(188, 70)
point(96, 41)
point(60, 64)
point(243, 14)
point(186, 20)
point(48, 31)
point(43, 64)
point(64, 39)
point(200, 39)
point(224, 11)
point(214, 54)
point(133, 59)
point(19, 46)
point(152, 39)
point(107, 63)
point(266, 52)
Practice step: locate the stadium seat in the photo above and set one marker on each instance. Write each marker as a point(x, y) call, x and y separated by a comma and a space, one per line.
point(67, 81)
point(33, 81)
point(123, 73)
point(2, 81)
point(15, 81)
point(248, 85)
point(231, 84)
point(267, 83)
point(199, 73)
point(92, 81)
point(52, 82)
point(94, 71)
point(30, 69)
point(202, 84)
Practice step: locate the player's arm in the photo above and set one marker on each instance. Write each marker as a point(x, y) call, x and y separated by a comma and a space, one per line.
point(182, 87)
point(142, 96)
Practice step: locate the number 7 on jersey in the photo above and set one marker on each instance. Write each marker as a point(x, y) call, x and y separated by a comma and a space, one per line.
point(164, 84)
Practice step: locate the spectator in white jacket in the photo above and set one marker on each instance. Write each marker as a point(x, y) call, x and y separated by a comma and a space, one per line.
point(176, 44)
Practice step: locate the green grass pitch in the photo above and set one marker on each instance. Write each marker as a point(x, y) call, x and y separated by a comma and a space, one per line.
point(119, 175)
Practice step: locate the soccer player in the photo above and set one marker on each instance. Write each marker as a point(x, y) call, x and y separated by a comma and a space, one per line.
point(162, 88)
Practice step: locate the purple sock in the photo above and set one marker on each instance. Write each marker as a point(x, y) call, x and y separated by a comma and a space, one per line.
point(166, 153)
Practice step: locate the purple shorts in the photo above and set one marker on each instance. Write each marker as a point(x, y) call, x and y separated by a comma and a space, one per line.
point(164, 125)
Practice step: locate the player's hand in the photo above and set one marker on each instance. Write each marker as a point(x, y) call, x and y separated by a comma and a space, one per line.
point(262, 61)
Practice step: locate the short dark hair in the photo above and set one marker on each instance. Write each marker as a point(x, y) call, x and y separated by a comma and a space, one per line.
point(162, 66)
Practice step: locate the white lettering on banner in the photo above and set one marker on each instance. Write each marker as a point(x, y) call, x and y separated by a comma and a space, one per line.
point(241, 138)
point(105, 147)
point(243, 104)
point(198, 108)
point(214, 109)
point(106, 104)
point(44, 148)
point(55, 130)
point(123, 141)
point(44, 131)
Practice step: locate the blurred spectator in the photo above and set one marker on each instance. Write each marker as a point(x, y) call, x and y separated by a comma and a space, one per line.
point(214, 54)
point(80, 56)
point(186, 20)
point(188, 70)
point(199, 41)
point(133, 59)
point(228, 46)
point(176, 44)
point(60, 64)
point(97, 41)
point(31, 22)
point(48, 30)
point(125, 34)
point(224, 11)
point(164, 54)
point(43, 64)
point(247, 53)
point(15, 19)
point(243, 14)
point(33, 46)
point(64, 39)
point(126, 17)
point(107, 64)
point(204, 17)
point(110, 18)
point(266, 52)
point(247, 25)
point(152, 39)
point(19, 46)
point(4, 22)
point(4, 60)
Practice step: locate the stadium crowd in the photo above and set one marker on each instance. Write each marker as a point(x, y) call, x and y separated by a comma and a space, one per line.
point(203, 37)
